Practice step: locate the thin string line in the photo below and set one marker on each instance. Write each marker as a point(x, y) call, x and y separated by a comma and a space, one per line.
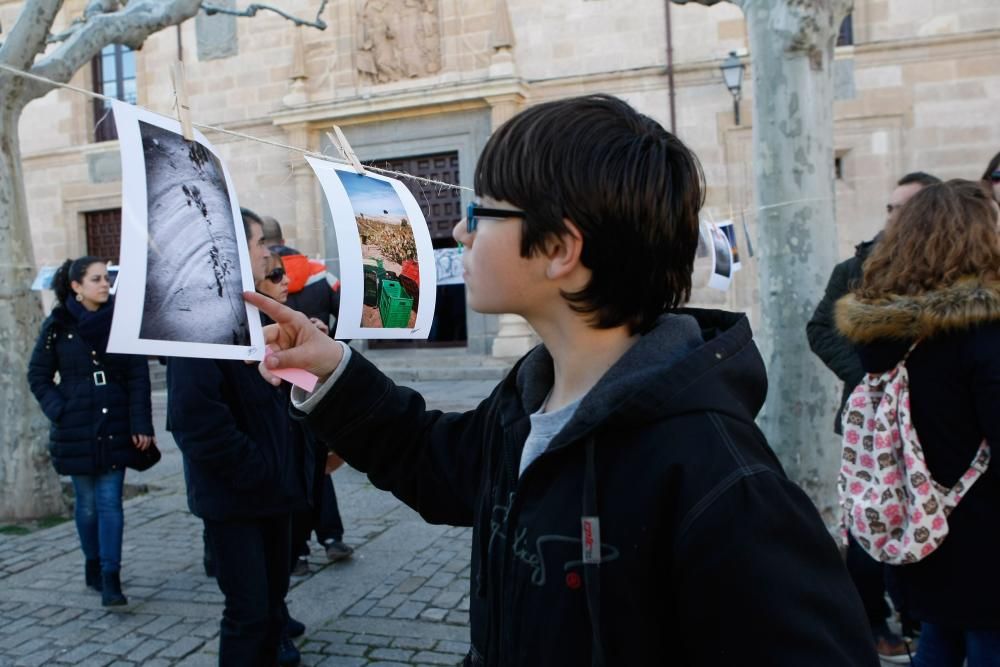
point(752, 210)
point(241, 135)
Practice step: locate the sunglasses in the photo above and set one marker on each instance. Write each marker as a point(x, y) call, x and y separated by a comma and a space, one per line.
point(474, 212)
point(276, 275)
point(995, 177)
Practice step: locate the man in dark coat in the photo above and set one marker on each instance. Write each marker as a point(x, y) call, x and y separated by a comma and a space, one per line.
point(840, 356)
point(824, 340)
point(625, 508)
point(243, 481)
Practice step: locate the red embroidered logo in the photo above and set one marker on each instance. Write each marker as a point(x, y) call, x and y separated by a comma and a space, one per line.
point(573, 581)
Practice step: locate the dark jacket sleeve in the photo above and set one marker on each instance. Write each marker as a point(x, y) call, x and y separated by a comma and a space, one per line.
point(428, 459)
point(41, 376)
point(824, 340)
point(206, 430)
point(759, 555)
point(140, 409)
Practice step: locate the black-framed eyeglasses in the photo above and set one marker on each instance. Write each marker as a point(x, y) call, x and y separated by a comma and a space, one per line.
point(473, 212)
point(276, 275)
point(995, 177)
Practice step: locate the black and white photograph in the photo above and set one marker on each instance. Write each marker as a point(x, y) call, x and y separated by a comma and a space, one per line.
point(388, 272)
point(184, 260)
point(722, 259)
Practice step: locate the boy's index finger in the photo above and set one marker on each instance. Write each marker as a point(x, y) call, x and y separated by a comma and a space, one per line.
point(270, 307)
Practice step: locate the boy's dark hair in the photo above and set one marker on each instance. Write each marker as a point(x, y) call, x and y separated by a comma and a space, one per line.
point(921, 177)
point(632, 188)
point(249, 217)
point(71, 270)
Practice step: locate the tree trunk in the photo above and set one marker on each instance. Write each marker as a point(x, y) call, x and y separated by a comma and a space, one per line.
point(29, 487)
point(792, 45)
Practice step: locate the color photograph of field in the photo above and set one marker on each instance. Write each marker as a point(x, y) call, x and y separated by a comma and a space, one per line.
point(388, 251)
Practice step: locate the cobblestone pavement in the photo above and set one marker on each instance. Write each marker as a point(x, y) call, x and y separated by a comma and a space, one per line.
point(401, 600)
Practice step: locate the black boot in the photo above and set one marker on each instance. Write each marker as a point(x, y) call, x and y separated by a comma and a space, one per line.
point(92, 574)
point(111, 590)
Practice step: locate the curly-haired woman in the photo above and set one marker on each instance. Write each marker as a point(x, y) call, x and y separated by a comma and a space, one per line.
point(934, 277)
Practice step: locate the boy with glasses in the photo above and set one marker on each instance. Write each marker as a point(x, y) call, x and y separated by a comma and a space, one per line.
point(625, 508)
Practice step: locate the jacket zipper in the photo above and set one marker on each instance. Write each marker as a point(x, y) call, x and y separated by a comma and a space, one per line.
point(510, 525)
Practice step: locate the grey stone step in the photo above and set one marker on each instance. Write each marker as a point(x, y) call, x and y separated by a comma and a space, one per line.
point(424, 365)
point(403, 366)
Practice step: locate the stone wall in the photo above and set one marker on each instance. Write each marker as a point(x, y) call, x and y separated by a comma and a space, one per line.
point(919, 89)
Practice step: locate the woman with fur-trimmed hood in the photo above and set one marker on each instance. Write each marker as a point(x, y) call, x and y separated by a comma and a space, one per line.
point(935, 278)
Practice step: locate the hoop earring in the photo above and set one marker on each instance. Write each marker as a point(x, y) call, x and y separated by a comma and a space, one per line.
point(79, 297)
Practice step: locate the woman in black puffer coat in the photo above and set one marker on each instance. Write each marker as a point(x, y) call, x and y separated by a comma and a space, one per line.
point(100, 412)
point(934, 278)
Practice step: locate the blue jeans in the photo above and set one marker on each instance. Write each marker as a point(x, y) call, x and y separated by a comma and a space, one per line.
point(943, 646)
point(100, 521)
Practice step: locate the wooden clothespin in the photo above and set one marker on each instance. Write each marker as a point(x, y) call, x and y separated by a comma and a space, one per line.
point(181, 100)
point(340, 141)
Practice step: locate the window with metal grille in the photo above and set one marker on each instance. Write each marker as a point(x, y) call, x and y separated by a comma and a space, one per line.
point(442, 207)
point(104, 233)
point(113, 75)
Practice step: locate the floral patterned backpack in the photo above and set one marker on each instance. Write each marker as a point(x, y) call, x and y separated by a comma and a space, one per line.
point(890, 503)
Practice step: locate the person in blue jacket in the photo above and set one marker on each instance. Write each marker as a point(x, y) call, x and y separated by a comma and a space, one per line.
point(626, 510)
point(100, 412)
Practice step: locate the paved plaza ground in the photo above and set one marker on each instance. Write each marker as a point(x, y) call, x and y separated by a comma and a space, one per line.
point(402, 598)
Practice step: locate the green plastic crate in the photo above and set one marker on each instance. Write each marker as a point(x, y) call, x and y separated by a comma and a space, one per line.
point(394, 305)
point(373, 272)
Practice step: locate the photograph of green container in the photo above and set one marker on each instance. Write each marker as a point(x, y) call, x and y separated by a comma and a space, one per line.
point(394, 305)
point(388, 251)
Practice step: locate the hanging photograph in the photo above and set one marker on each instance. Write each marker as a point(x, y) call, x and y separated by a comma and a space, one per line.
point(184, 254)
point(388, 274)
point(449, 266)
point(722, 259)
point(728, 228)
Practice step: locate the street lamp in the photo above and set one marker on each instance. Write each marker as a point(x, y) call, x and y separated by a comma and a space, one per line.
point(732, 72)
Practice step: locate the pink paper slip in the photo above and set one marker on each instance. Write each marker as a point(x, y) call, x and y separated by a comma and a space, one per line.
point(297, 376)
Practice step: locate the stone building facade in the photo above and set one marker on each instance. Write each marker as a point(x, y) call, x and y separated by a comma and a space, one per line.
point(420, 84)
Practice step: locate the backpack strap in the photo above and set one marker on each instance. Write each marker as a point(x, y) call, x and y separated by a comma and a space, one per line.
point(909, 351)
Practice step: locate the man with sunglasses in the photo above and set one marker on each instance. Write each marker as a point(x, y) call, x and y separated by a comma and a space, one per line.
point(314, 291)
point(625, 508)
point(243, 481)
point(839, 355)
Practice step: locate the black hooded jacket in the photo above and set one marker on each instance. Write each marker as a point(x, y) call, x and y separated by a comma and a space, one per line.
point(955, 401)
point(709, 554)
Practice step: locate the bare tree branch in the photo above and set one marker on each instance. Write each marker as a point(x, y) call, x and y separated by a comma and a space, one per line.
point(27, 37)
point(707, 3)
point(129, 26)
point(252, 10)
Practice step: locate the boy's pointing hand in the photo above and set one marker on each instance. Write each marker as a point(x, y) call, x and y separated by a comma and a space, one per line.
point(295, 341)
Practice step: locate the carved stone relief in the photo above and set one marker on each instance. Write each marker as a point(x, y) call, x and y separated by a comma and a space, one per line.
point(216, 34)
point(400, 39)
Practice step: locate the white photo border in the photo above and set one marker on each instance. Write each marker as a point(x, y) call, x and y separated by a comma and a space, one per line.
point(131, 283)
point(351, 269)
